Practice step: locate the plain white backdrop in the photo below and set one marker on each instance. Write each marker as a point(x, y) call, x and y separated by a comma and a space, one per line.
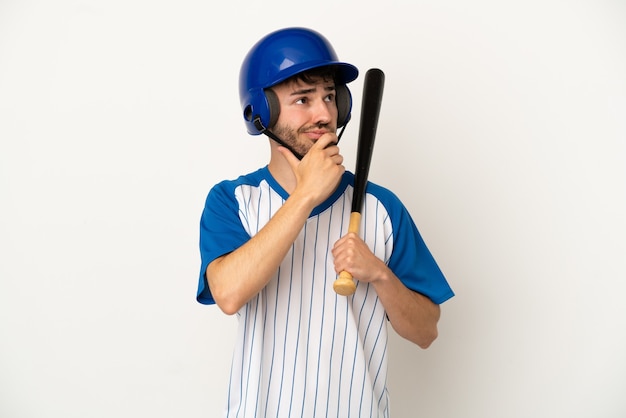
point(503, 129)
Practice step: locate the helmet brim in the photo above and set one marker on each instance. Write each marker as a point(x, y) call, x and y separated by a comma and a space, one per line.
point(345, 72)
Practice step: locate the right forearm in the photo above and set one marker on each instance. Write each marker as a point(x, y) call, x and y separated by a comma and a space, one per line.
point(237, 277)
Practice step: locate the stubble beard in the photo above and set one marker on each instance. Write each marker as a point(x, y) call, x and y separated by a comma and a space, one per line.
point(290, 137)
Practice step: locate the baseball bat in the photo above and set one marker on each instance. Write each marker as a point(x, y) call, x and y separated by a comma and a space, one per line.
point(373, 86)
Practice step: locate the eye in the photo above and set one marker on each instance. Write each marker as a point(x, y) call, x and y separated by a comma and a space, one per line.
point(330, 98)
point(301, 100)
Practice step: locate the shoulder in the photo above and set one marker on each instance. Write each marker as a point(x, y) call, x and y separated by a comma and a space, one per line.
point(387, 197)
point(385, 204)
point(227, 187)
point(379, 192)
point(251, 179)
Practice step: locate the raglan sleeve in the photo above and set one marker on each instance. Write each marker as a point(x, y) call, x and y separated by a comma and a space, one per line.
point(411, 260)
point(221, 232)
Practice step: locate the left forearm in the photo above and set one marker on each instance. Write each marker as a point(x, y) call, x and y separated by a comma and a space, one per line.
point(412, 315)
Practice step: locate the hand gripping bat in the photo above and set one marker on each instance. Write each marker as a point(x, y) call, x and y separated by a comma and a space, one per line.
point(373, 86)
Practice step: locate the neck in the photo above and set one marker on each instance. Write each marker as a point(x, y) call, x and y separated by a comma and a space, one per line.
point(281, 170)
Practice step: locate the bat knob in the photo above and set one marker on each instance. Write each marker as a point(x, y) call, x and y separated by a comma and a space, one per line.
point(344, 286)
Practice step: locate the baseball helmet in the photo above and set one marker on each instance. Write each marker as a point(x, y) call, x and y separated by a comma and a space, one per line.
point(278, 56)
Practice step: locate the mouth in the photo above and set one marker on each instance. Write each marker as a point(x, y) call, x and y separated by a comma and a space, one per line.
point(315, 134)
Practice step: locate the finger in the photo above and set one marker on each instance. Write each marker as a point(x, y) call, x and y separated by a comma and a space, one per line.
point(339, 243)
point(326, 140)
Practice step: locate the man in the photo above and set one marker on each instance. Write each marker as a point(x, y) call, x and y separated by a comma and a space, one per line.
point(273, 241)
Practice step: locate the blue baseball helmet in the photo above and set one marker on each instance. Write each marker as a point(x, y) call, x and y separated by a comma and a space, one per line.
point(279, 56)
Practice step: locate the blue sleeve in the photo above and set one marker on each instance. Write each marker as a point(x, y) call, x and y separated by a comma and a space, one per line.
point(221, 232)
point(411, 260)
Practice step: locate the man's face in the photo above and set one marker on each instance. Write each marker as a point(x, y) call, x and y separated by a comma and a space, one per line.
point(307, 111)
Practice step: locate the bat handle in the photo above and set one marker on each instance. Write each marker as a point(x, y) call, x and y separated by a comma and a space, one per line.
point(344, 285)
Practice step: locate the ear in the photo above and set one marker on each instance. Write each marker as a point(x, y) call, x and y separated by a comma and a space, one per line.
point(343, 98)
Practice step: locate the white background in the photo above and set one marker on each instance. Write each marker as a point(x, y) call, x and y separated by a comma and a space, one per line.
point(503, 129)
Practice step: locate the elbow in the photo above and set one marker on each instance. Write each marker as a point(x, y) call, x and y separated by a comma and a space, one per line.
point(227, 308)
point(429, 332)
point(226, 300)
point(227, 303)
point(427, 338)
point(422, 337)
point(225, 296)
point(420, 329)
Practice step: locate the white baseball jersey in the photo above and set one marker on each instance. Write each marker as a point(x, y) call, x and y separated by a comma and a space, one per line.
point(301, 349)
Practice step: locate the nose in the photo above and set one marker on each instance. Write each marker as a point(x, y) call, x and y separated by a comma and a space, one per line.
point(322, 112)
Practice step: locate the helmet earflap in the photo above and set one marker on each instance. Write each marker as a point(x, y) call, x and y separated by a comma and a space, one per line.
point(273, 107)
point(344, 104)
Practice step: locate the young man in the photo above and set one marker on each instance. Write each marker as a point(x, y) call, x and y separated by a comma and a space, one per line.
point(273, 241)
